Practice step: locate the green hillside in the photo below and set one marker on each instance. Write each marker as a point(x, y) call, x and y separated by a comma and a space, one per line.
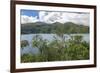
point(40, 27)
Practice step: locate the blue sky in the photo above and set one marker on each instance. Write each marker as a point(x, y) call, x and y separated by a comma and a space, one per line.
point(32, 13)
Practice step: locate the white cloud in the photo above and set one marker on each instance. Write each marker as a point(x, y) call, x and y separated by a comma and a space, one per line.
point(49, 17)
point(62, 17)
point(42, 14)
point(79, 18)
point(28, 19)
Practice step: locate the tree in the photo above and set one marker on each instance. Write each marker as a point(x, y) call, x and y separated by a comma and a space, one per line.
point(24, 43)
point(41, 44)
point(77, 49)
point(57, 50)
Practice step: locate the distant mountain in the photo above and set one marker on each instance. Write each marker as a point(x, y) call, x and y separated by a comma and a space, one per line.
point(41, 27)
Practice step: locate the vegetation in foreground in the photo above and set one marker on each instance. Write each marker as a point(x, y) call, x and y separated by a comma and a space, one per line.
point(58, 49)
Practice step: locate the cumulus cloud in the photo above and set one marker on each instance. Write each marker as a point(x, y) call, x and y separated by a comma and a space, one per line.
point(79, 18)
point(28, 19)
point(49, 17)
point(42, 15)
point(62, 17)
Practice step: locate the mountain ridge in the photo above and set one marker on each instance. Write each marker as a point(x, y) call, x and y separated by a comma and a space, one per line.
point(41, 27)
point(40, 22)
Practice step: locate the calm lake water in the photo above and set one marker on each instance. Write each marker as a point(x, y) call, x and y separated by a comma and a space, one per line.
point(49, 37)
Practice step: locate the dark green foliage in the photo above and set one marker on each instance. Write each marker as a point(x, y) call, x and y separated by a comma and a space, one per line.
point(40, 27)
point(27, 58)
point(24, 43)
point(32, 58)
point(78, 49)
point(58, 50)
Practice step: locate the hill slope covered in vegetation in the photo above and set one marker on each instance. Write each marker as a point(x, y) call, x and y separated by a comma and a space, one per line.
point(40, 27)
